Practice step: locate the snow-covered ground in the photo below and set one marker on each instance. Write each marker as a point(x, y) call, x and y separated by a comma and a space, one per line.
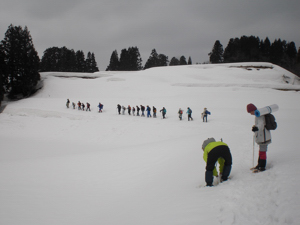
point(64, 166)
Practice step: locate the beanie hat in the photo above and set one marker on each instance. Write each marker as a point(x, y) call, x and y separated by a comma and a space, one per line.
point(207, 141)
point(251, 107)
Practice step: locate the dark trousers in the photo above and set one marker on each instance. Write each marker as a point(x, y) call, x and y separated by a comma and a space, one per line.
point(218, 152)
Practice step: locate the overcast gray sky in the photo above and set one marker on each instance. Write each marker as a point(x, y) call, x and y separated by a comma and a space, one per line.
point(172, 27)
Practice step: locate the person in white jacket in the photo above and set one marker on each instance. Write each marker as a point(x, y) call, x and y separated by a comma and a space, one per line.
point(262, 138)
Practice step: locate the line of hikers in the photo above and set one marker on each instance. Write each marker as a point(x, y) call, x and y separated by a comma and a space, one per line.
point(142, 108)
point(137, 109)
point(81, 106)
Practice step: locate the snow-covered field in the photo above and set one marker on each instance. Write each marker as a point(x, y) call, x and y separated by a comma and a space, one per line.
point(69, 167)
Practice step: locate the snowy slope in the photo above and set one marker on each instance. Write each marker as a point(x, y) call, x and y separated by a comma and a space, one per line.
point(65, 166)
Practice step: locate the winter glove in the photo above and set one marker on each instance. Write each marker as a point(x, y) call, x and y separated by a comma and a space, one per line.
point(254, 128)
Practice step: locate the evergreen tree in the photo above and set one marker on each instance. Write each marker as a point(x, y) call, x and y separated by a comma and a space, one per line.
point(296, 67)
point(50, 59)
point(216, 55)
point(265, 50)
point(162, 60)
point(2, 74)
point(1, 89)
point(130, 60)
point(80, 61)
point(156, 60)
point(182, 60)
point(114, 62)
point(250, 49)
point(291, 52)
point(67, 62)
point(152, 61)
point(174, 62)
point(135, 60)
point(91, 65)
point(124, 60)
point(22, 62)
point(231, 51)
point(276, 52)
point(190, 61)
point(94, 63)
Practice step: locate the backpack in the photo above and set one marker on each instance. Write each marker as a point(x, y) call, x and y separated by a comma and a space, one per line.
point(270, 122)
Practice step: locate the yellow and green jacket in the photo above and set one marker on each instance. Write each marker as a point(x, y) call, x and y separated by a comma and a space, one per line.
point(221, 161)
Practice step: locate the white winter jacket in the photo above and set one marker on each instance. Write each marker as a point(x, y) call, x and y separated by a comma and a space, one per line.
point(262, 136)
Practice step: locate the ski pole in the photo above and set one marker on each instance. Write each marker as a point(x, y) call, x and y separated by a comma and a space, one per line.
point(253, 150)
point(218, 178)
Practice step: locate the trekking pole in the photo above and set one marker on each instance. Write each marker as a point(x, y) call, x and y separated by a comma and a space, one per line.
point(218, 178)
point(253, 150)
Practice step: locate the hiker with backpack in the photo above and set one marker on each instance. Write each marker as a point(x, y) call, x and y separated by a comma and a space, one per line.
point(148, 111)
point(88, 107)
point(264, 122)
point(204, 114)
point(137, 110)
point(189, 112)
point(154, 112)
point(100, 106)
point(180, 113)
point(143, 110)
point(129, 109)
point(163, 111)
point(119, 109)
point(123, 109)
point(68, 102)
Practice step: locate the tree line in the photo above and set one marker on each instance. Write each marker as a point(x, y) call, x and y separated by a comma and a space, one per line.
point(130, 60)
point(20, 64)
point(66, 60)
point(252, 49)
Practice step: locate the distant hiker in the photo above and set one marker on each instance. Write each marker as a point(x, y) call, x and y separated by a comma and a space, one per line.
point(189, 112)
point(88, 107)
point(180, 113)
point(148, 111)
point(133, 111)
point(119, 108)
point(204, 114)
point(82, 106)
point(212, 152)
point(73, 104)
point(100, 106)
point(129, 109)
point(79, 105)
point(163, 111)
point(137, 111)
point(262, 137)
point(143, 110)
point(68, 102)
point(154, 112)
point(123, 110)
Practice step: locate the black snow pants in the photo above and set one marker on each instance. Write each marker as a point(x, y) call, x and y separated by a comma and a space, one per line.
point(221, 151)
